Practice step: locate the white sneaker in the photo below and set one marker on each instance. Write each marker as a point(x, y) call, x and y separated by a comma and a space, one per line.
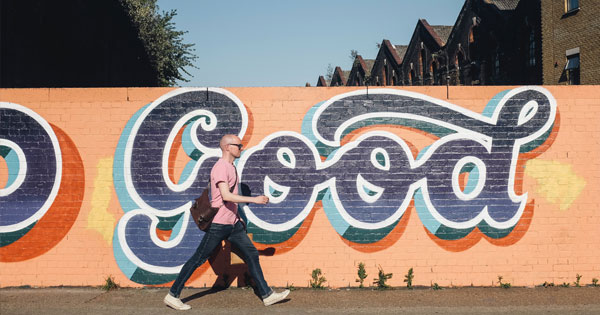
point(176, 303)
point(275, 297)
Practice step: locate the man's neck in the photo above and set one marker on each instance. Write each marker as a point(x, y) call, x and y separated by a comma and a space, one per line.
point(228, 157)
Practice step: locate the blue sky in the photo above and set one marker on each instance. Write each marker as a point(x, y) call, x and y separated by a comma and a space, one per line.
point(289, 43)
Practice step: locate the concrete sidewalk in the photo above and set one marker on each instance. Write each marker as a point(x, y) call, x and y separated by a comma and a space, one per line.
point(64, 301)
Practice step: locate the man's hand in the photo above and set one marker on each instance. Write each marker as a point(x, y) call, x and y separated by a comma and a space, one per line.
point(262, 200)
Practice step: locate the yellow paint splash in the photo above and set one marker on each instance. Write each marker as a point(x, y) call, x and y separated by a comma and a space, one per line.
point(555, 181)
point(99, 218)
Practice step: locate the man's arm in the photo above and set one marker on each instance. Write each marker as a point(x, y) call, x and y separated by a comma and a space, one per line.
point(231, 197)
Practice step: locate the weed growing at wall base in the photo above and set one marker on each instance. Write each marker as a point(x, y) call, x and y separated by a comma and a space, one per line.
point(362, 274)
point(408, 278)
point(504, 285)
point(317, 279)
point(380, 281)
point(595, 282)
point(109, 284)
point(290, 287)
point(576, 283)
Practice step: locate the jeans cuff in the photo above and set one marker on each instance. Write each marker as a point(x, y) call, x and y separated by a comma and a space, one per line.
point(172, 294)
point(268, 294)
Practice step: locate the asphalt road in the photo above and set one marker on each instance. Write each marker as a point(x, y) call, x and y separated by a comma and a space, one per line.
point(64, 301)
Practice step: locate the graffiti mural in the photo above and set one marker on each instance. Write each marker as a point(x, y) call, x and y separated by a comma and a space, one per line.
point(468, 179)
point(43, 191)
point(151, 200)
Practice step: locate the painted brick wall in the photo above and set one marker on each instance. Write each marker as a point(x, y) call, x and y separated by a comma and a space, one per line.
point(492, 181)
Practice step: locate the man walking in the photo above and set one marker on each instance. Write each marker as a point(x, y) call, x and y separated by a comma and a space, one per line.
point(226, 225)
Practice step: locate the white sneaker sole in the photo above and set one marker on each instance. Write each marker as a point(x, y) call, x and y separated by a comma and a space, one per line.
point(185, 307)
point(285, 294)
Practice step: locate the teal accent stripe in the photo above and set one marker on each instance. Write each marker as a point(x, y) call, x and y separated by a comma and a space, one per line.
point(269, 237)
point(430, 223)
point(12, 162)
point(339, 224)
point(11, 237)
point(127, 204)
point(127, 267)
point(489, 109)
point(146, 277)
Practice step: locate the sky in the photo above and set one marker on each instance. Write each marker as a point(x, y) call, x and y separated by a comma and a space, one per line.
point(252, 43)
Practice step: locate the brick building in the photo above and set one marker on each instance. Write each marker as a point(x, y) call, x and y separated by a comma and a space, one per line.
point(322, 82)
point(386, 67)
point(339, 77)
point(571, 41)
point(498, 42)
point(420, 65)
point(360, 73)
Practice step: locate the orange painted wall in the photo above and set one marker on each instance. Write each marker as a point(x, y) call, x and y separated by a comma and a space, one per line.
point(557, 237)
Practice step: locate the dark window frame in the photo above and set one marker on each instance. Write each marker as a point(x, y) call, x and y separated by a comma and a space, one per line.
point(571, 5)
point(573, 68)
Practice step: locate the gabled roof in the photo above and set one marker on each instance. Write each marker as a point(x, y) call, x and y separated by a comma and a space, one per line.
point(400, 50)
point(443, 32)
point(439, 33)
point(322, 82)
point(346, 74)
point(369, 65)
point(503, 5)
point(339, 75)
point(359, 64)
point(459, 19)
point(388, 45)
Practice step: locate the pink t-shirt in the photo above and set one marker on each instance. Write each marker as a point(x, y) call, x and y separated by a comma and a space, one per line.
point(223, 171)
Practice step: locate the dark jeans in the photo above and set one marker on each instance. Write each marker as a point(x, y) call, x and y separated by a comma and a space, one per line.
point(236, 234)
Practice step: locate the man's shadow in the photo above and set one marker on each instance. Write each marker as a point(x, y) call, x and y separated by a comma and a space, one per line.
point(227, 263)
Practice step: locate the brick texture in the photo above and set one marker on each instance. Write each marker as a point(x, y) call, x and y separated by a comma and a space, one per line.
point(562, 31)
point(76, 242)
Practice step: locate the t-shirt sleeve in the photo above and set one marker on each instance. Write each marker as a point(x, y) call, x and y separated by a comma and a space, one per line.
point(219, 174)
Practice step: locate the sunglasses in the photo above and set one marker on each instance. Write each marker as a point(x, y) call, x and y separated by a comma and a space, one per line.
point(237, 145)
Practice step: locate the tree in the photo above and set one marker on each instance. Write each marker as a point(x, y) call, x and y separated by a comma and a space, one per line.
point(164, 45)
point(329, 74)
point(353, 54)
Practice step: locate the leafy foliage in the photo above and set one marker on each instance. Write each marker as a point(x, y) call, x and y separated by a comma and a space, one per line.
point(381, 280)
point(504, 285)
point(576, 283)
point(164, 45)
point(362, 274)
point(109, 284)
point(329, 74)
point(317, 279)
point(408, 278)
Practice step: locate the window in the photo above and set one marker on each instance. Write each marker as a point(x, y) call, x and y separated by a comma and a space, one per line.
point(572, 66)
point(572, 5)
point(532, 48)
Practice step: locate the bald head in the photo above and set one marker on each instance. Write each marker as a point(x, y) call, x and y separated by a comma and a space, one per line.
point(227, 140)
